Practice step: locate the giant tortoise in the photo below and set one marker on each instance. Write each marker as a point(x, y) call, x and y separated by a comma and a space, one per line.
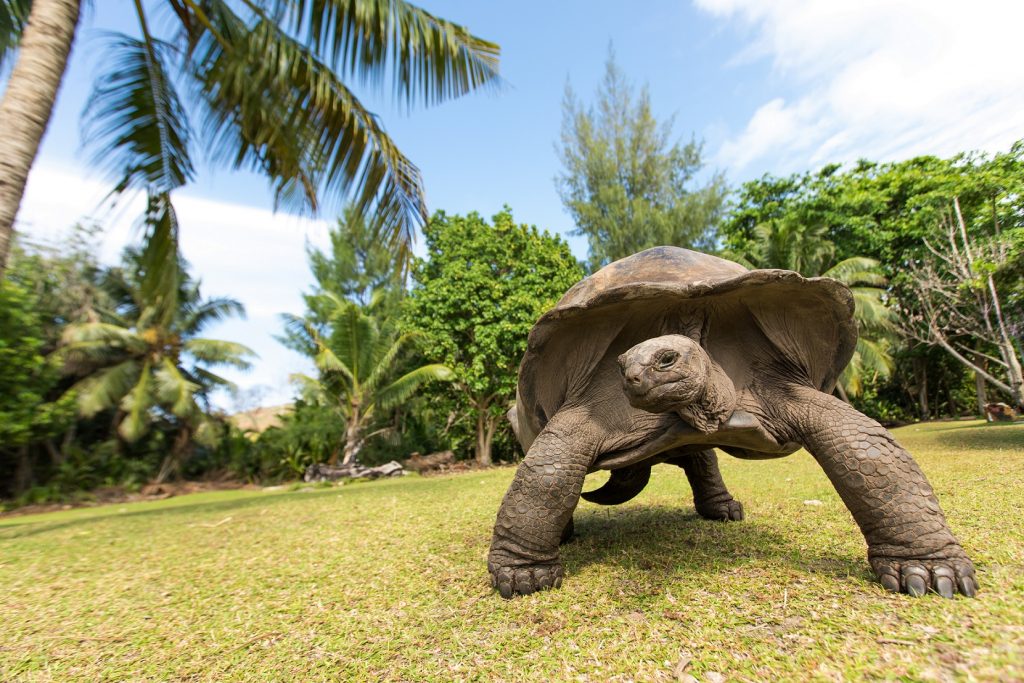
point(666, 354)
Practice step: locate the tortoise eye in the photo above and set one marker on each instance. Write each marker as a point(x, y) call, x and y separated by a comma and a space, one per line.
point(667, 360)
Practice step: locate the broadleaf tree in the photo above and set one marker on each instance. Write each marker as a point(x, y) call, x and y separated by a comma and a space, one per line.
point(474, 299)
point(626, 183)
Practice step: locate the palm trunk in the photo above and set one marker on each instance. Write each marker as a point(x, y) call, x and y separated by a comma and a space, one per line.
point(353, 437)
point(176, 458)
point(28, 102)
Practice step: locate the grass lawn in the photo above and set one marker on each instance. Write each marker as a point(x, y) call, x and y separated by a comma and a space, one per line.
point(386, 581)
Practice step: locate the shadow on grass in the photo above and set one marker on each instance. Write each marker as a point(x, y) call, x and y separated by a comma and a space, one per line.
point(985, 436)
point(671, 541)
point(27, 529)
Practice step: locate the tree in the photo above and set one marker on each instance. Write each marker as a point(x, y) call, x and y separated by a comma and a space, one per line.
point(886, 212)
point(957, 305)
point(268, 84)
point(356, 358)
point(145, 360)
point(28, 412)
point(626, 186)
point(475, 298)
point(794, 242)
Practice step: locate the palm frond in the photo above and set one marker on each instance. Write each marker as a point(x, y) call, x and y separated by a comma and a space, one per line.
point(160, 264)
point(196, 316)
point(870, 312)
point(103, 333)
point(875, 358)
point(429, 59)
point(312, 389)
point(272, 105)
point(13, 16)
point(218, 352)
point(354, 338)
point(857, 270)
point(135, 120)
point(403, 387)
point(106, 388)
point(208, 380)
point(385, 360)
point(175, 391)
point(136, 404)
point(328, 363)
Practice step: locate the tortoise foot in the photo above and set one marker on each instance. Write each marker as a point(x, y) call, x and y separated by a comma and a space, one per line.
point(523, 580)
point(946, 576)
point(725, 511)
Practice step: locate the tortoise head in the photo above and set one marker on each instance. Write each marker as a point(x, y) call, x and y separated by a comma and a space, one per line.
point(673, 373)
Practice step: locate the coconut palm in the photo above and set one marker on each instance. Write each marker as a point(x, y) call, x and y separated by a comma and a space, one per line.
point(147, 364)
point(356, 357)
point(267, 88)
point(803, 246)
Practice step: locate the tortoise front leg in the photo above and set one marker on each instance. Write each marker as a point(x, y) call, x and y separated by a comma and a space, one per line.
point(538, 507)
point(910, 546)
point(710, 496)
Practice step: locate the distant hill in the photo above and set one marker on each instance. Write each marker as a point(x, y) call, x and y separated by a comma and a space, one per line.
point(259, 420)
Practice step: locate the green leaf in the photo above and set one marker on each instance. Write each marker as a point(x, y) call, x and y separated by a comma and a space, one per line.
point(403, 387)
point(136, 404)
point(107, 387)
point(272, 105)
point(217, 352)
point(135, 120)
point(13, 16)
point(429, 59)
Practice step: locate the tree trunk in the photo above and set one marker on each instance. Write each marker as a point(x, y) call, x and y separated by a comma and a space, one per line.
point(353, 437)
point(979, 386)
point(485, 427)
point(28, 102)
point(23, 471)
point(921, 371)
point(174, 460)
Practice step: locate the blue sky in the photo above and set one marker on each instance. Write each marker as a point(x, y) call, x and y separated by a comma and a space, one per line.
point(770, 86)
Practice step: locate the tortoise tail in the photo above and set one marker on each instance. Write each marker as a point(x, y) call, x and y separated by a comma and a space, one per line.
point(623, 485)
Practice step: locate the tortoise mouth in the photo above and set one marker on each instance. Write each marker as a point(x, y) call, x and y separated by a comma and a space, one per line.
point(658, 398)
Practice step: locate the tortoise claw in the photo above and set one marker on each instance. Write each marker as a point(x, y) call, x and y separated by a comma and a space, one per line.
point(915, 577)
point(512, 581)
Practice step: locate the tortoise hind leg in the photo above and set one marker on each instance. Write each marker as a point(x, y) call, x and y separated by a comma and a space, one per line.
point(710, 496)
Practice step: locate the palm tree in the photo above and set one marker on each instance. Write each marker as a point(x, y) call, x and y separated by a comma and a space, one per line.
point(267, 82)
point(356, 358)
point(791, 243)
point(146, 361)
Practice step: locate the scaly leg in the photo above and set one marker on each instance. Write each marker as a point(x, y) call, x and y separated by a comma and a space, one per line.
point(910, 546)
point(538, 507)
point(710, 496)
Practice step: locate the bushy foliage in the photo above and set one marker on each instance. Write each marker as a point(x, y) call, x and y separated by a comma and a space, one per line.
point(474, 299)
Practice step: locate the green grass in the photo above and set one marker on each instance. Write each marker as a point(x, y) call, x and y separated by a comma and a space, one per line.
point(386, 581)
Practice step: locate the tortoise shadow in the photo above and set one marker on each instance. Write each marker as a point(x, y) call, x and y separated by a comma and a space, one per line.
point(674, 540)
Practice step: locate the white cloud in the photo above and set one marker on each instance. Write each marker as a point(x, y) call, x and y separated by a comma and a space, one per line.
point(882, 79)
point(250, 254)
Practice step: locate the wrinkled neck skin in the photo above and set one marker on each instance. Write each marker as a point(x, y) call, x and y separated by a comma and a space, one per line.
point(714, 405)
point(672, 373)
